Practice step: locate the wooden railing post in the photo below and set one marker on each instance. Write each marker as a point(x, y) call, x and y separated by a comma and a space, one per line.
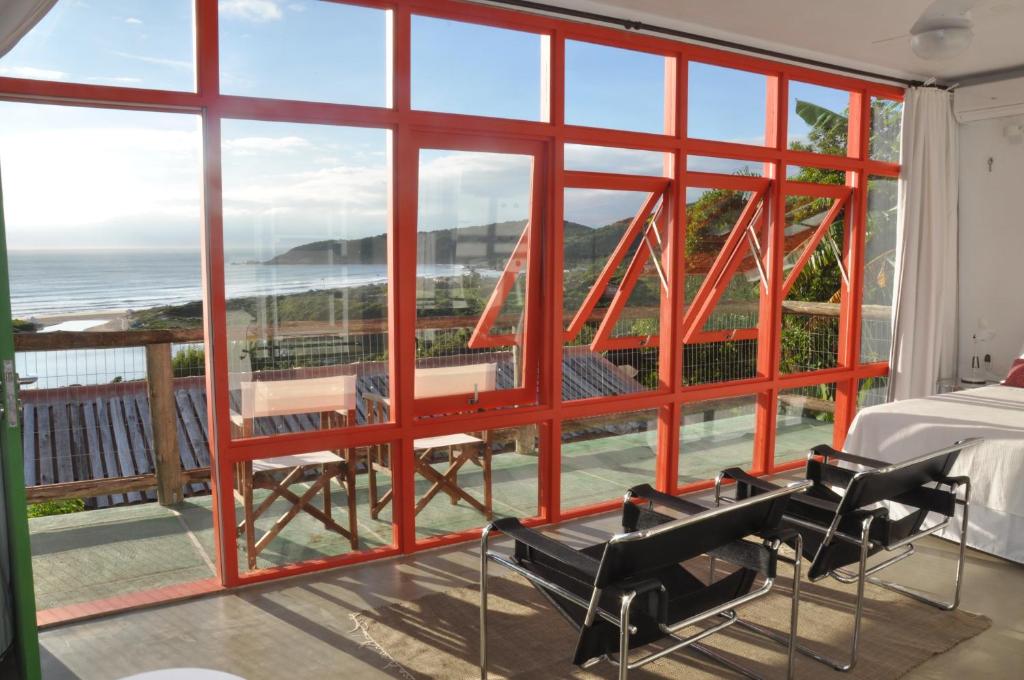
point(164, 416)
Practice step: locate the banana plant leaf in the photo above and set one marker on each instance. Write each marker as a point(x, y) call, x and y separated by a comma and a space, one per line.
point(820, 117)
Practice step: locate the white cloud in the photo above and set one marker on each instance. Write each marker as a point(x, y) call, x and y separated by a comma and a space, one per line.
point(115, 80)
point(32, 72)
point(460, 189)
point(611, 159)
point(159, 61)
point(133, 20)
point(259, 11)
point(249, 146)
point(101, 186)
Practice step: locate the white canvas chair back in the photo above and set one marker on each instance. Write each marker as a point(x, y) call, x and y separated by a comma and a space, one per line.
point(446, 380)
point(289, 397)
point(239, 363)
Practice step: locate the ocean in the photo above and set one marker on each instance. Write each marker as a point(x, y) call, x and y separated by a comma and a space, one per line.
point(51, 283)
point(47, 283)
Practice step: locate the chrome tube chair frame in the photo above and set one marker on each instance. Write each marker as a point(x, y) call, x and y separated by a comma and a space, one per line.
point(591, 574)
point(862, 540)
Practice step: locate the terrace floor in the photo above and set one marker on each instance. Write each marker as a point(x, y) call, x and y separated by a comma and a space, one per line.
point(301, 627)
point(100, 554)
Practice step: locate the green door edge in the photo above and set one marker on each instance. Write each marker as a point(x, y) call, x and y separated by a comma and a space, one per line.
point(26, 635)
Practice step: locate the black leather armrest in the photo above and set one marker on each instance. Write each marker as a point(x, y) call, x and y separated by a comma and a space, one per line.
point(828, 452)
point(584, 565)
point(746, 484)
point(648, 492)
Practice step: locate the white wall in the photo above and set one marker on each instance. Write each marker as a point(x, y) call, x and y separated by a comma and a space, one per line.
point(991, 242)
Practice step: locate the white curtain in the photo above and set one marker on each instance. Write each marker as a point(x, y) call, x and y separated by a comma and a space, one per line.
point(17, 18)
point(925, 303)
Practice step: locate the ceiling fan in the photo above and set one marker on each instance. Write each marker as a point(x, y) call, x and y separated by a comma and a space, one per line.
point(942, 31)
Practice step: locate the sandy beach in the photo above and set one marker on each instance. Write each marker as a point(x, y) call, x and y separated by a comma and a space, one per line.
point(95, 320)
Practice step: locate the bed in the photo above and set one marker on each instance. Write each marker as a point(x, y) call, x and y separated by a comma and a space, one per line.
point(899, 430)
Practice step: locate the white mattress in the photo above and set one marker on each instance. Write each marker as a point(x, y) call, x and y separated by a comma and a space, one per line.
point(900, 430)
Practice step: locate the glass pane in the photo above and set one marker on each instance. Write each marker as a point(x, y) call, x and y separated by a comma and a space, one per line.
point(715, 435)
point(312, 506)
point(801, 173)
point(123, 43)
point(806, 418)
point(474, 69)
point(305, 245)
point(471, 271)
point(611, 87)
point(102, 210)
point(304, 49)
point(726, 105)
point(818, 118)
point(712, 215)
point(724, 166)
point(464, 479)
point(872, 391)
point(886, 126)
point(714, 362)
point(879, 270)
point(605, 455)
point(611, 159)
point(596, 222)
point(810, 312)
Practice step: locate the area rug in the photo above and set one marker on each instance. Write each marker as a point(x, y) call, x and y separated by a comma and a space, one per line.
point(437, 636)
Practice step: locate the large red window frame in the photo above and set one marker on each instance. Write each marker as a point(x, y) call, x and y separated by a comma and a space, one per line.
point(549, 411)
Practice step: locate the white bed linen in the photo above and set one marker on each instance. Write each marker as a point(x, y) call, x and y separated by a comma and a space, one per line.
point(900, 430)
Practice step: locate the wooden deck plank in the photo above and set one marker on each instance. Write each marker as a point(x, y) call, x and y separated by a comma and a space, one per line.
point(28, 444)
point(198, 397)
point(92, 439)
point(142, 447)
point(186, 452)
point(62, 443)
point(103, 425)
point(47, 474)
point(125, 462)
point(197, 400)
point(192, 425)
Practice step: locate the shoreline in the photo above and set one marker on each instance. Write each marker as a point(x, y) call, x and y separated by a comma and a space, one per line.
point(107, 319)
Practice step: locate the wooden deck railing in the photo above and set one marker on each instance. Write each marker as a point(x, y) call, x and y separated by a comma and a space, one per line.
point(168, 477)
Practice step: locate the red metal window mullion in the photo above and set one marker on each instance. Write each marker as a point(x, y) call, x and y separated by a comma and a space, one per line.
point(214, 303)
point(771, 309)
point(859, 142)
point(402, 291)
point(551, 454)
point(674, 262)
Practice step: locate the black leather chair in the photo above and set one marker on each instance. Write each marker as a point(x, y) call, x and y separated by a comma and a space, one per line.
point(634, 589)
point(847, 515)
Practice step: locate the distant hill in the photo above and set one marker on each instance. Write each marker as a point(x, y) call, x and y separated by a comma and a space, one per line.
point(486, 246)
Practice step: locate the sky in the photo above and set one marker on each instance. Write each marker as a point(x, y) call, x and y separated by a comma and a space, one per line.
point(86, 178)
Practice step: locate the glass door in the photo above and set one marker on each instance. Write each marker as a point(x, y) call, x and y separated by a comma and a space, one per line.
point(478, 245)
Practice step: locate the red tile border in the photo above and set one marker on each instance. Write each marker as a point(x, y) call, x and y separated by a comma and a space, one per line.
point(56, 616)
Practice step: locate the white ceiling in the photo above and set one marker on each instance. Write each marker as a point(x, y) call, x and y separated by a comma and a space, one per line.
point(838, 31)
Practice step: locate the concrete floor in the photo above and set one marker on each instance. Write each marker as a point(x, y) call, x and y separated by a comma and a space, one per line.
point(100, 554)
point(302, 628)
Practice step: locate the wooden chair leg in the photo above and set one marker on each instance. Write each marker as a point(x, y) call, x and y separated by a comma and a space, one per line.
point(350, 490)
point(373, 459)
point(250, 520)
point(327, 491)
point(452, 498)
point(488, 503)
